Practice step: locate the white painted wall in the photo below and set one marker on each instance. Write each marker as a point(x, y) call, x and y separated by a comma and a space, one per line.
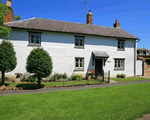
point(60, 46)
point(138, 67)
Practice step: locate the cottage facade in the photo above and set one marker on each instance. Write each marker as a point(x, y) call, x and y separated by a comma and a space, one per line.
point(75, 48)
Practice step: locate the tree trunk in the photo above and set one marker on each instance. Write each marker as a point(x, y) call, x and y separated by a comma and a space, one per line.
point(39, 81)
point(3, 78)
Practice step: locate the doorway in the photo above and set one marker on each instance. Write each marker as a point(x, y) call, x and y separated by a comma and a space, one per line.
point(98, 67)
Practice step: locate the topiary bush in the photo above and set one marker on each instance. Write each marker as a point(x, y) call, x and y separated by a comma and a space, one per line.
point(64, 76)
point(8, 60)
point(39, 63)
point(31, 78)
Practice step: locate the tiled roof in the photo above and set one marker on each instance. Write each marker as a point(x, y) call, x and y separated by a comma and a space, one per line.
point(70, 27)
point(100, 54)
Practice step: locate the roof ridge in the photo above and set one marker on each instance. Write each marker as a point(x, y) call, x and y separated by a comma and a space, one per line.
point(76, 23)
point(20, 20)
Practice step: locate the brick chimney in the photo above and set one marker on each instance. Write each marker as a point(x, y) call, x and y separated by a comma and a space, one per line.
point(9, 17)
point(89, 18)
point(117, 24)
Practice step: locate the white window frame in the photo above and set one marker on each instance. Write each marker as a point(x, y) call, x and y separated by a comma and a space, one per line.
point(32, 33)
point(121, 42)
point(121, 62)
point(78, 40)
point(79, 61)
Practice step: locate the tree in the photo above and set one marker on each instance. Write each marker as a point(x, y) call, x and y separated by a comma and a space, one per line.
point(16, 18)
point(8, 60)
point(39, 63)
point(4, 30)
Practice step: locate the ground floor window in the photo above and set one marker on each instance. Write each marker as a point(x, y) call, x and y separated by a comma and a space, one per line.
point(119, 64)
point(79, 62)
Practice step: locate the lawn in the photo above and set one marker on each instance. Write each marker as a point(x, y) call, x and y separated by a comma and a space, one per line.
point(110, 103)
point(129, 79)
point(49, 84)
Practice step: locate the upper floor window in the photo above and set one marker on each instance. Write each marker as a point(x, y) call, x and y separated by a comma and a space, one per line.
point(79, 63)
point(147, 53)
point(140, 52)
point(34, 38)
point(119, 64)
point(79, 42)
point(121, 45)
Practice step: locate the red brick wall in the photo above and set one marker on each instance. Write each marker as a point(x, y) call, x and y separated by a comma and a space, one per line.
point(146, 68)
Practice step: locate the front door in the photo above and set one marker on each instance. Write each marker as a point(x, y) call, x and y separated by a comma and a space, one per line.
point(98, 67)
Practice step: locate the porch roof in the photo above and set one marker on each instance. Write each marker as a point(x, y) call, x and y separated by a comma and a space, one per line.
point(101, 54)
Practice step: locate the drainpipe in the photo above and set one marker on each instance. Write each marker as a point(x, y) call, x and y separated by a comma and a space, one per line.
point(135, 56)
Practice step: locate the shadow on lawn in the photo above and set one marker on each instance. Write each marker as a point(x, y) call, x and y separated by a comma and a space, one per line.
point(30, 86)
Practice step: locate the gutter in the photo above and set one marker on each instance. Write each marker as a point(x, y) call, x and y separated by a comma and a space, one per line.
point(135, 55)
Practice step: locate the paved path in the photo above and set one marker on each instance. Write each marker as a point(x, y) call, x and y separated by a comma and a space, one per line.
point(71, 88)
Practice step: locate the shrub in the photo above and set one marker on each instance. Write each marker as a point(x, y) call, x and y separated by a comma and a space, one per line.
point(121, 75)
point(64, 76)
point(74, 77)
point(39, 62)
point(80, 75)
point(83, 78)
point(8, 60)
point(69, 79)
point(31, 78)
point(59, 76)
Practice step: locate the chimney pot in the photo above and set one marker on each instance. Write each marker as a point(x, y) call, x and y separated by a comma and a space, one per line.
point(117, 24)
point(89, 17)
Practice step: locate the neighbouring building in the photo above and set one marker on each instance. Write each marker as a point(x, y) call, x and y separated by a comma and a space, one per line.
point(143, 54)
point(74, 47)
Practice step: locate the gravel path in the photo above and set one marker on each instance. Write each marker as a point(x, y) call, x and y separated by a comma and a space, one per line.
point(70, 88)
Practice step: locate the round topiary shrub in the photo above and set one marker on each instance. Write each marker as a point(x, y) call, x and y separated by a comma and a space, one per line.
point(39, 63)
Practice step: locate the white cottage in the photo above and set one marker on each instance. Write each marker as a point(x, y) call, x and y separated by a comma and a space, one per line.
point(75, 47)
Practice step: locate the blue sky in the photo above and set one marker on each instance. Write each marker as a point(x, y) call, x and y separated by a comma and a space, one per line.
point(133, 15)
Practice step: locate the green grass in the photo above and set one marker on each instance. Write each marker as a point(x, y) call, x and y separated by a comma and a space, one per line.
point(49, 84)
point(110, 103)
point(129, 79)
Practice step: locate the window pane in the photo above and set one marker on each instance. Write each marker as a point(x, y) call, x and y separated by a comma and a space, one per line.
point(37, 41)
point(32, 35)
point(81, 42)
point(32, 40)
point(77, 59)
point(81, 64)
point(77, 44)
point(77, 65)
point(122, 44)
point(118, 63)
point(118, 44)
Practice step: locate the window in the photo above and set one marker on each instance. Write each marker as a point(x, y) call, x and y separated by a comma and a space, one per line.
point(79, 63)
point(119, 64)
point(121, 45)
point(141, 52)
point(147, 53)
point(34, 38)
point(79, 42)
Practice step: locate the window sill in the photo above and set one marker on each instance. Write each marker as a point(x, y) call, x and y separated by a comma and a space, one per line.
point(79, 69)
point(120, 49)
point(119, 69)
point(79, 47)
point(34, 45)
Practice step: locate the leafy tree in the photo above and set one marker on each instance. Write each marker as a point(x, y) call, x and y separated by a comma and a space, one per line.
point(39, 63)
point(16, 18)
point(8, 60)
point(4, 30)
